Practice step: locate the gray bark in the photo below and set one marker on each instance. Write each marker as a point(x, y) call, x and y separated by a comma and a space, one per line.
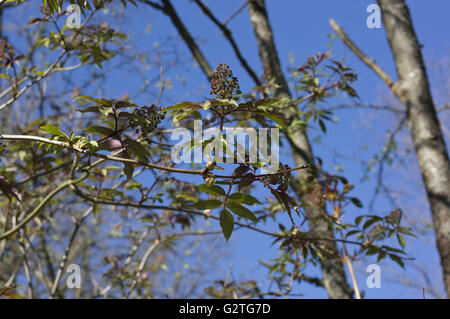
point(413, 90)
point(333, 272)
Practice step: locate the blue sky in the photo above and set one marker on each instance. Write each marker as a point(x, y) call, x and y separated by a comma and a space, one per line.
point(301, 29)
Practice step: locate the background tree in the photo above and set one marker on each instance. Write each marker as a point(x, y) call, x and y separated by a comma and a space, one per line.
point(413, 90)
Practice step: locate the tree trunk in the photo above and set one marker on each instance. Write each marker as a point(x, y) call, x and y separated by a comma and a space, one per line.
point(333, 272)
point(413, 90)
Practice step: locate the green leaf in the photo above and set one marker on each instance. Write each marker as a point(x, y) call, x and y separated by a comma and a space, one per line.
point(241, 211)
point(100, 130)
point(226, 223)
point(207, 105)
point(182, 114)
point(392, 249)
point(181, 105)
point(322, 126)
point(126, 114)
point(241, 198)
point(106, 110)
point(305, 252)
point(352, 232)
point(240, 170)
point(137, 149)
point(125, 104)
point(351, 91)
point(397, 259)
point(401, 240)
point(99, 101)
point(223, 102)
point(43, 42)
point(52, 130)
point(279, 199)
point(356, 202)
point(248, 178)
point(274, 118)
point(369, 223)
point(128, 169)
point(188, 197)
point(298, 123)
point(93, 146)
point(272, 102)
point(372, 250)
point(212, 190)
point(207, 204)
point(358, 220)
point(406, 231)
point(381, 256)
point(90, 109)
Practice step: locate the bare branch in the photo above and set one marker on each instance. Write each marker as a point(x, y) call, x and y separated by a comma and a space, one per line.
point(142, 265)
point(386, 151)
point(63, 263)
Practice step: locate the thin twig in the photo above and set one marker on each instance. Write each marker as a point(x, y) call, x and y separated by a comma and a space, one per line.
point(225, 22)
point(142, 265)
point(63, 263)
point(363, 57)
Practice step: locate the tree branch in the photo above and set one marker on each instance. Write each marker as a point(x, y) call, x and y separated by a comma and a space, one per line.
point(228, 35)
point(235, 13)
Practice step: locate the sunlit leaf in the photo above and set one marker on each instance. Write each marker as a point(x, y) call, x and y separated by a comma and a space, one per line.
point(52, 130)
